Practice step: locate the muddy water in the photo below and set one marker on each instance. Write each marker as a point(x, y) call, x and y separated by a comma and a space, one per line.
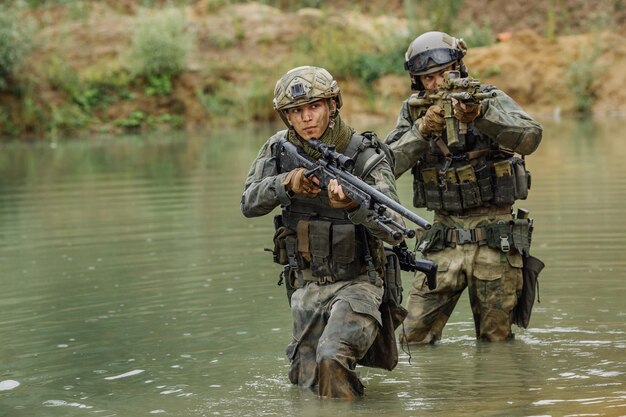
point(132, 285)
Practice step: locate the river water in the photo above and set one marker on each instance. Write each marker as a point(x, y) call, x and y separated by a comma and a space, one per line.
point(133, 286)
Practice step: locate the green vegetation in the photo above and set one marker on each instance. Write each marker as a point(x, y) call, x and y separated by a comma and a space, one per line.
point(582, 73)
point(439, 14)
point(550, 20)
point(227, 100)
point(15, 43)
point(158, 85)
point(160, 44)
point(370, 66)
point(162, 77)
point(487, 72)
point(477, 36)
point(349, 53)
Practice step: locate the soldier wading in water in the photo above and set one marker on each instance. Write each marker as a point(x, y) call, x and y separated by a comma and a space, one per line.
point(471, 184)
point(326, 240)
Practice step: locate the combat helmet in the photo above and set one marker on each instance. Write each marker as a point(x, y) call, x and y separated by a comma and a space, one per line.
point(304, 85)
point(431, 52)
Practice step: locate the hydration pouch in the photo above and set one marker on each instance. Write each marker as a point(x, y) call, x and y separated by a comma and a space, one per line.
point(470, 193)
point(419, 197)
point(450, 194)
point(432, 192)
point(319, 238)
point(504, 183)
point(483, 178)
point(522, 178)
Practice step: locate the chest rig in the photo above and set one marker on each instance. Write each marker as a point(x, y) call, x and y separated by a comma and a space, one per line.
point(476, 172)
point(325, 241)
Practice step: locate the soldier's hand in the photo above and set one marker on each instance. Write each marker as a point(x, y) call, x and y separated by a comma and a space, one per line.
point(338, 199)
point(296, 181)
point(432, 123)
point(466, 112)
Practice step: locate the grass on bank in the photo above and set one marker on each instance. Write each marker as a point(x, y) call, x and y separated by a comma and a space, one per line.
point(158, 54)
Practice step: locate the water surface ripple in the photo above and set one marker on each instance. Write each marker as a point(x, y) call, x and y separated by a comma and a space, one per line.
point(132, 285)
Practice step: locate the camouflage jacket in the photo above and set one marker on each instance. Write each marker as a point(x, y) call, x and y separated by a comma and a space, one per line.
point(264, 189)
point(501, 121)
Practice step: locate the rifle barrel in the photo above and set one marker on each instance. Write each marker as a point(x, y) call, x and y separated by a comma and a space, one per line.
point(381, 198)
point(347, 178)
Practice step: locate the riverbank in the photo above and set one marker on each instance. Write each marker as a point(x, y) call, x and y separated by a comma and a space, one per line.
point(80, 75)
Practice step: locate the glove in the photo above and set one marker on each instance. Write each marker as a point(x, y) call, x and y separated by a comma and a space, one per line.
point(466, 112)
point(432, 122)
point(338, 199)
point(296, 181)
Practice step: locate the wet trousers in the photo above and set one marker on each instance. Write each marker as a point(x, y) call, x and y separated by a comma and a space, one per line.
point(494, 282)
point(333, 327)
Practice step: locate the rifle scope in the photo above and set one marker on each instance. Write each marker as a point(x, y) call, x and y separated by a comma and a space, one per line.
point(330, 154)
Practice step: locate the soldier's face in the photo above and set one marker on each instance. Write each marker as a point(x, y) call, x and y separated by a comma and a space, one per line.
point(310, 120)
point(434, 79)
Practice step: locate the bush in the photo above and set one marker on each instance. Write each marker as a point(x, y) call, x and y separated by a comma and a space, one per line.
point(581, 76)
point(15, 43)
point(370, 66)
point(160, 44)
point(477, 36)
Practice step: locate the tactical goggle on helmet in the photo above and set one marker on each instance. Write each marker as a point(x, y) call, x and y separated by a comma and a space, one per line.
point(304, 85)
point(431, 52)
point(432, 60)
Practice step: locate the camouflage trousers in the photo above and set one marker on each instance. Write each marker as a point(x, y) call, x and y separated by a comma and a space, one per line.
point(494, 282)
point(333, 327)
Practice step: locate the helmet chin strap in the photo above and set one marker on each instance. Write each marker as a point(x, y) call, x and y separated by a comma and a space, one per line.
point(333, 113)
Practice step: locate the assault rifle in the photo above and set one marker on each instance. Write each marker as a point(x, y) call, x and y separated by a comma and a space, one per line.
point(333, 165)
point(465, 90)
point(408, 262)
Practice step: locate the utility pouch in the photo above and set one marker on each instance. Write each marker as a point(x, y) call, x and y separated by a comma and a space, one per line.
point(470, 193)
point(419, 198)
point(319, 239)
point(279, 253)
point(383, 353)
point(499, 236)
point(483, 177)
point(530, 275)
point(504, 183)
point(419, 195)
point(432, 191)
point(520, 234)
point(344, 251)
point(451, 194)
point(433, 240)
point(289, 278)
point(281, 233)
point(522, 178)
point(393, 279)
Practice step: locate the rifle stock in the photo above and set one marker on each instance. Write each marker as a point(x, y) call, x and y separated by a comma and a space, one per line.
point(408, 262)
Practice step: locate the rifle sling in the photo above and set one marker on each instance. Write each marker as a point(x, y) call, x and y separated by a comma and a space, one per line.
point(443, 147)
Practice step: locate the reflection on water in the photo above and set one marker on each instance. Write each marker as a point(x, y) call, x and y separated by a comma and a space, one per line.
point(132, 285)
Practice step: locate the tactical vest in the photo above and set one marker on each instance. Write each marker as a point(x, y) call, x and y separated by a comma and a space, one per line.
point(477, 173)
point(325, 240)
